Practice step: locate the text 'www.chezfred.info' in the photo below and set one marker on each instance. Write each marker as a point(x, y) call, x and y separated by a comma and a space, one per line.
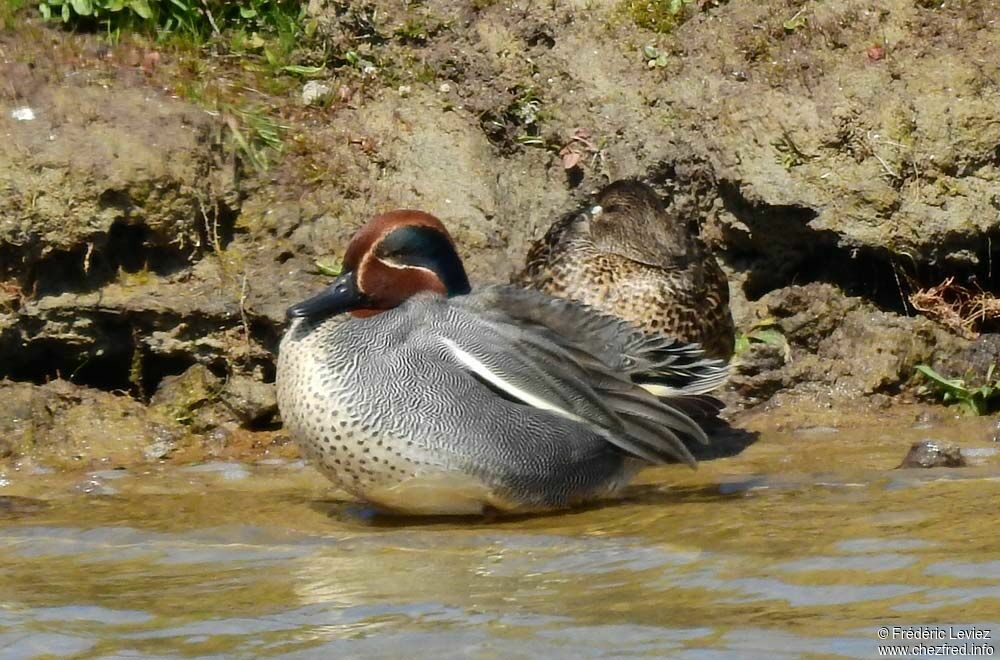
point(956, 641)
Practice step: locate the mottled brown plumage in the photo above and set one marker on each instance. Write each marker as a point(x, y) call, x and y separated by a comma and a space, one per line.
point(627, 257)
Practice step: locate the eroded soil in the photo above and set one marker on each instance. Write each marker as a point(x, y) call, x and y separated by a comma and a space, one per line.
point(837, 156)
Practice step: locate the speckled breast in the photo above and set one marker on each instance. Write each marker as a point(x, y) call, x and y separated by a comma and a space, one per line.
point(337, 423)
point(327, 418)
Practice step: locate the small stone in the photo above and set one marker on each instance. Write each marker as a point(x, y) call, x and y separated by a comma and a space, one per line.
point(875, 53)
point(932, 454)
point(217, 439)
point(250, 400)
point(22, 114)
point(192, 399)
point(444, 88)
point(314, 92)
point(188, 390)
point(404, 90)
point(159, 449)
point(95, 486)
point(880, 401)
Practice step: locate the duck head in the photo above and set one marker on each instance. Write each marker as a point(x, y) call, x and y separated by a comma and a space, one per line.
point(630, 219)
point(393, 257)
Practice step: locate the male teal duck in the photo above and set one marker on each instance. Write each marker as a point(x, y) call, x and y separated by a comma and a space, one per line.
point(418, 395)
point(627, 257)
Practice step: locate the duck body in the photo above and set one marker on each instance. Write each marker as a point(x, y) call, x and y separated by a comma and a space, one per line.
point(626, 257)
point(458, 402)
point(432, 438)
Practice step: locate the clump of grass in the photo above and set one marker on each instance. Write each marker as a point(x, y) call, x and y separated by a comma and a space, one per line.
point(274, 32)
point(789, 154)
point(526, 107)
point(798, 20)
point(973, 399)
point(196, 19)
point(8, 12)
point(255, 135)
point(519, 122)
point(413, 31)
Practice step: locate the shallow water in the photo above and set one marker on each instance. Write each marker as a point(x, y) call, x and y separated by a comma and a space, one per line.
point(802, 546)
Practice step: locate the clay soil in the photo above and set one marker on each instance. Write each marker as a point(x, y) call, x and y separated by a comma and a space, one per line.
point(166, 203)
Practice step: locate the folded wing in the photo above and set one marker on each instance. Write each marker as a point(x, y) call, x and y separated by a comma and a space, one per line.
point(562, 357)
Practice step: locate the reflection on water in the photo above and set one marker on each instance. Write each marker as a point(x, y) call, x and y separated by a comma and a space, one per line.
point(801, 546)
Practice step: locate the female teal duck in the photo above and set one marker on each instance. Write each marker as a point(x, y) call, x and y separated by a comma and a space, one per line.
point(418, 395)
point(627, 257)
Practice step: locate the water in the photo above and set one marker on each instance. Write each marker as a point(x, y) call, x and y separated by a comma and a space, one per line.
point(802, 546)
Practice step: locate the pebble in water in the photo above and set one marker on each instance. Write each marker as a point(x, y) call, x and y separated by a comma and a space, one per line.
point(933, 453)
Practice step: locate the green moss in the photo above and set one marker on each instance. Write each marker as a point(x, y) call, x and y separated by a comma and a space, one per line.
point(758, 48)
point(423, 73)
point(900, 126)
point(661, 16)
point(135, 370)
point(950, 187)
point(186, 394)
point(138, 278)
point(248, 222)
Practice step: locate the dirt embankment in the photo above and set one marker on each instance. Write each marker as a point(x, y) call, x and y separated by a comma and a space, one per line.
point(838, 156)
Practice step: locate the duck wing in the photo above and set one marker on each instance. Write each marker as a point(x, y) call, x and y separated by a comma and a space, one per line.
point(668, 367)
point(572, 367)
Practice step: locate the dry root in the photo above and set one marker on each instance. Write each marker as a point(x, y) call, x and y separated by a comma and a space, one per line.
point(960, 308)
point(11, 296)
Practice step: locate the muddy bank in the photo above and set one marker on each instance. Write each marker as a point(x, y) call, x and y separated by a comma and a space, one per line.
point(837, 159)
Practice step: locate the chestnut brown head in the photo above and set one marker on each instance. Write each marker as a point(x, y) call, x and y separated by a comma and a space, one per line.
point(393, 257)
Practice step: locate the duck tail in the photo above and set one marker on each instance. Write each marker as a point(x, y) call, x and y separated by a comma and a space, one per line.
point(672, 369)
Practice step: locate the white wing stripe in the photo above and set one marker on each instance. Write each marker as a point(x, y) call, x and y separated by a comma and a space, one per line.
point(470, 362)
